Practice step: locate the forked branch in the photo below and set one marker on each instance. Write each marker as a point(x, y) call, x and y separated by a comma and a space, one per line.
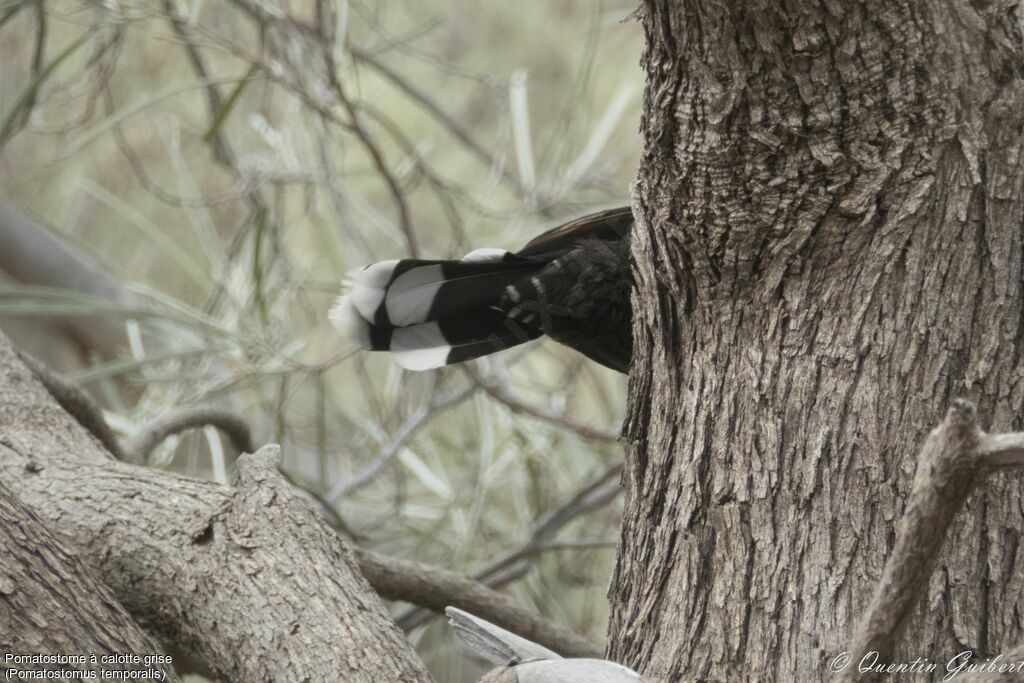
point(954, 457)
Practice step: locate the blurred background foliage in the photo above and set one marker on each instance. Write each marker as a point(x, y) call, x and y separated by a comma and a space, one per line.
point(227, 161)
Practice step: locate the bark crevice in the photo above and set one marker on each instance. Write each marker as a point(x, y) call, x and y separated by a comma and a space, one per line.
point(827, 251)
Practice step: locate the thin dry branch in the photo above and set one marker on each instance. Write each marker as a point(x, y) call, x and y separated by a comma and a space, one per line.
point(141, 444)
point(417, 421)
point(437, 589)
point(416, 94)
point(137, 448)
point(593, 495)
point(953, 457)
point(505, 397)
point(458, 131)
point(372, 148)
point(354, 124)
point(222, 152)
point(596, 493)
point(317, 33)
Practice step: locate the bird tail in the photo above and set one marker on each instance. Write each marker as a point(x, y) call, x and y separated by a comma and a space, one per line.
point(433, 313)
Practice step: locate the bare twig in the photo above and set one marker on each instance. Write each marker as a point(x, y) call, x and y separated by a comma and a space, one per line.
point(371, 147)
point(457, 130)
point(138, 447)
point(436, 589)
point(222, 152)
point(419, 419)
point(354, 124)
point(39, 55)
point(502, 395)
point(319, 33)
point(552, 546)
point(593, 495)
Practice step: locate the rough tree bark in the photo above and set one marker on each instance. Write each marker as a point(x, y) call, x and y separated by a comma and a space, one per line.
point(828, 250)
point(247, 580)
point(50, 604)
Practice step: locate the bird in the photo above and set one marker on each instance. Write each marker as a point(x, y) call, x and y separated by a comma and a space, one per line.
point(572, 283)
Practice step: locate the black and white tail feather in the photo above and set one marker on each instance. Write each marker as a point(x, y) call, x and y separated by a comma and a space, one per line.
point(571, 283)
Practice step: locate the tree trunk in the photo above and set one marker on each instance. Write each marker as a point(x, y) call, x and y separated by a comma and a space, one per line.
point(828, 251)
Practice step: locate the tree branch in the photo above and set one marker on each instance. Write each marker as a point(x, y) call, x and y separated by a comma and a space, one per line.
point(1001, 450)
point(392, 578)
point(34, 256)
point(203, 566)
point(954, 456)
point(141, 444)
point(413, 424)
point(75, 401)
point(137, 448)
point(502, 395)
point(593, 495)
point(461, 133)
point(527, 662)
point(48, 597)
point(437, 589)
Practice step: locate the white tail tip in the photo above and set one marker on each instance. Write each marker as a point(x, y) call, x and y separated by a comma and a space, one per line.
point(346, 319)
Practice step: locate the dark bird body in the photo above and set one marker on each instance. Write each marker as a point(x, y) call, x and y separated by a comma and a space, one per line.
point(571, 283)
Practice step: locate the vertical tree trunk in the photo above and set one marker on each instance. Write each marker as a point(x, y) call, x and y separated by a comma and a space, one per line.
point(829, 249)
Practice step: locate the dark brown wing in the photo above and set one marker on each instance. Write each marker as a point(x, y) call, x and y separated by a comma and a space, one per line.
point(611, 224)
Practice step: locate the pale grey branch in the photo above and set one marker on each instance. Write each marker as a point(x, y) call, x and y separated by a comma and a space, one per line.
point(1002, 450)
point(33, 255)
point(953, 457)
point(527, 662)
